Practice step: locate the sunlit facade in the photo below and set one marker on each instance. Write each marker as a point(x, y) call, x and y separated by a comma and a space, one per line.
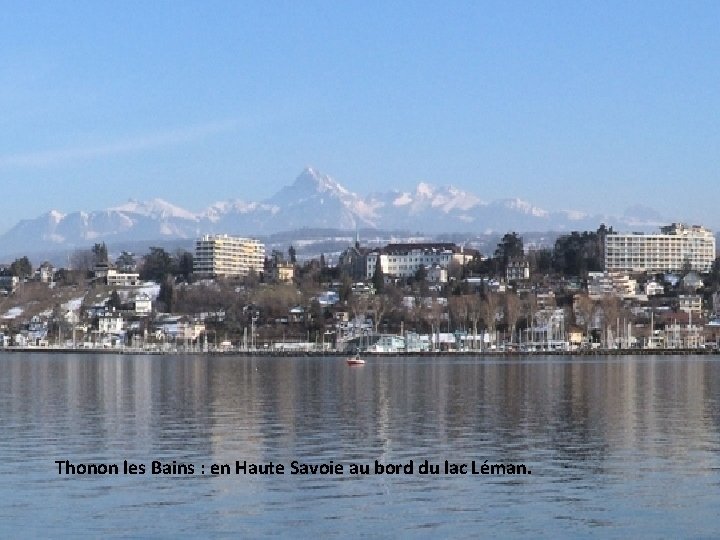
point(227, 256)
point(676, 246)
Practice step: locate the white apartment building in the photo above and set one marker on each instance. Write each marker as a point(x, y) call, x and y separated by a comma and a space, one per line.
point(404, 260)
point(222, 255)
point(611, 283)
point(667, 251)
point(690, 303)
point(121, 279)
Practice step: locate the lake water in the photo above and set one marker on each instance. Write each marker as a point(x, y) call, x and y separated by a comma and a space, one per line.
point(617, 446)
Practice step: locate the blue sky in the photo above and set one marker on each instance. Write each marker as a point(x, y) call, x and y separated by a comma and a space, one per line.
point(593, 106)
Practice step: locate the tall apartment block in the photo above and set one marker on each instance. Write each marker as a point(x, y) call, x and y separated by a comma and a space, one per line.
point(670, 250)
point(222, 255)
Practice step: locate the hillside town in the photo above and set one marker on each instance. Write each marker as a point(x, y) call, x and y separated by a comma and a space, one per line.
point(592, 291)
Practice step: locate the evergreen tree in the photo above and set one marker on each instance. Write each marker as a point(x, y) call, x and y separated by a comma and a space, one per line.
point(156, 265)
point(184, 265)
point(100, 253)
point(167, 293)
point(345, 291)
point(21, 267)
point(510, 247)
point(126, 261)
point(114, 302)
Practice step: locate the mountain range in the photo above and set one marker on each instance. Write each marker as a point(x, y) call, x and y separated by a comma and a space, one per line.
point(313, 200)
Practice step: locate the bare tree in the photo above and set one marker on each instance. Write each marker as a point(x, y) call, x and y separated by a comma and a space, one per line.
point(379, 304)
point(434, 314)
point(474, 304)
point(458, 310)
point(513, 307)
point(611, 307)
point(529, 307)
point(455, 270)
point(489, 310)
point(359, 304)
point(585, 307)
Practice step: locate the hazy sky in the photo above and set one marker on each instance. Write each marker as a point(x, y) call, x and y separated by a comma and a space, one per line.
point(572, 105)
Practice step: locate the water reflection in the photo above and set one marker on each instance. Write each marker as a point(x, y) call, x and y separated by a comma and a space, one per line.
point(621, 442)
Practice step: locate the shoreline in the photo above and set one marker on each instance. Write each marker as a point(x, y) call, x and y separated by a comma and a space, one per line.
point(336, 354)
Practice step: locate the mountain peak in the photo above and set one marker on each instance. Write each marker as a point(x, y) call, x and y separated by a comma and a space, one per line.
point(312, 179)
point(312, 200)
point(424, 189)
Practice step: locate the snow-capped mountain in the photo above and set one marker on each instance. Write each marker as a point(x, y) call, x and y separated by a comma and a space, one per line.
point(313, 200)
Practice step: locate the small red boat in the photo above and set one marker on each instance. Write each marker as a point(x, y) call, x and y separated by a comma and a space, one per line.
point(355, 361)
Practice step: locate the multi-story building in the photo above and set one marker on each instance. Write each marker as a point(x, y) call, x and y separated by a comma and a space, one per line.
point(121, 279)
point(282, 271)
point(690, 303)
point(517, 270)
point(353, 261)
point(611, 283)
point(404, 260)
point(222, 255)
point(676, 246)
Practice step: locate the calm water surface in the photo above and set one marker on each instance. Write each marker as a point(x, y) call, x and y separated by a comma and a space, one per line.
point(618, 447)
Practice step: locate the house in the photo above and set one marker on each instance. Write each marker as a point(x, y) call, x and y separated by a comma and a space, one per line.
point(110, 324)
point(328, 298)
point(437, 274)
point(282, 271)
point(363, 289)
point(9, 283)
point(690, 303)
point(141, 304)
point(167, 326)
point(517, 270)
point(113, 278)
point(353, 261)
point(575, 336)
point(297, 314)
point(188, 330)
point(496, 286)
point(405, 260)
point(45, 272)
point(653, 288)
point(611, 283)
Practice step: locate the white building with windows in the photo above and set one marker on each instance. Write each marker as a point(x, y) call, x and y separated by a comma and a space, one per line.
point(611, 283)
point(653, 288)
point(122, 279)
point(110, 324)
point(223, 255)
point(690, 303)
point(404, 260)
point(517, 270)
point(670, 250)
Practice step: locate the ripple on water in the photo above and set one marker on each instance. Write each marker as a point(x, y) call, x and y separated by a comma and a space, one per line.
point(624, 447)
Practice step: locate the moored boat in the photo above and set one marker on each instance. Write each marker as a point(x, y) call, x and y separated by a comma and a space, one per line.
point(355, 361)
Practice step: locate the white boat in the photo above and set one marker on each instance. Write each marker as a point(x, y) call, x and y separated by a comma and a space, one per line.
point(355, 361)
